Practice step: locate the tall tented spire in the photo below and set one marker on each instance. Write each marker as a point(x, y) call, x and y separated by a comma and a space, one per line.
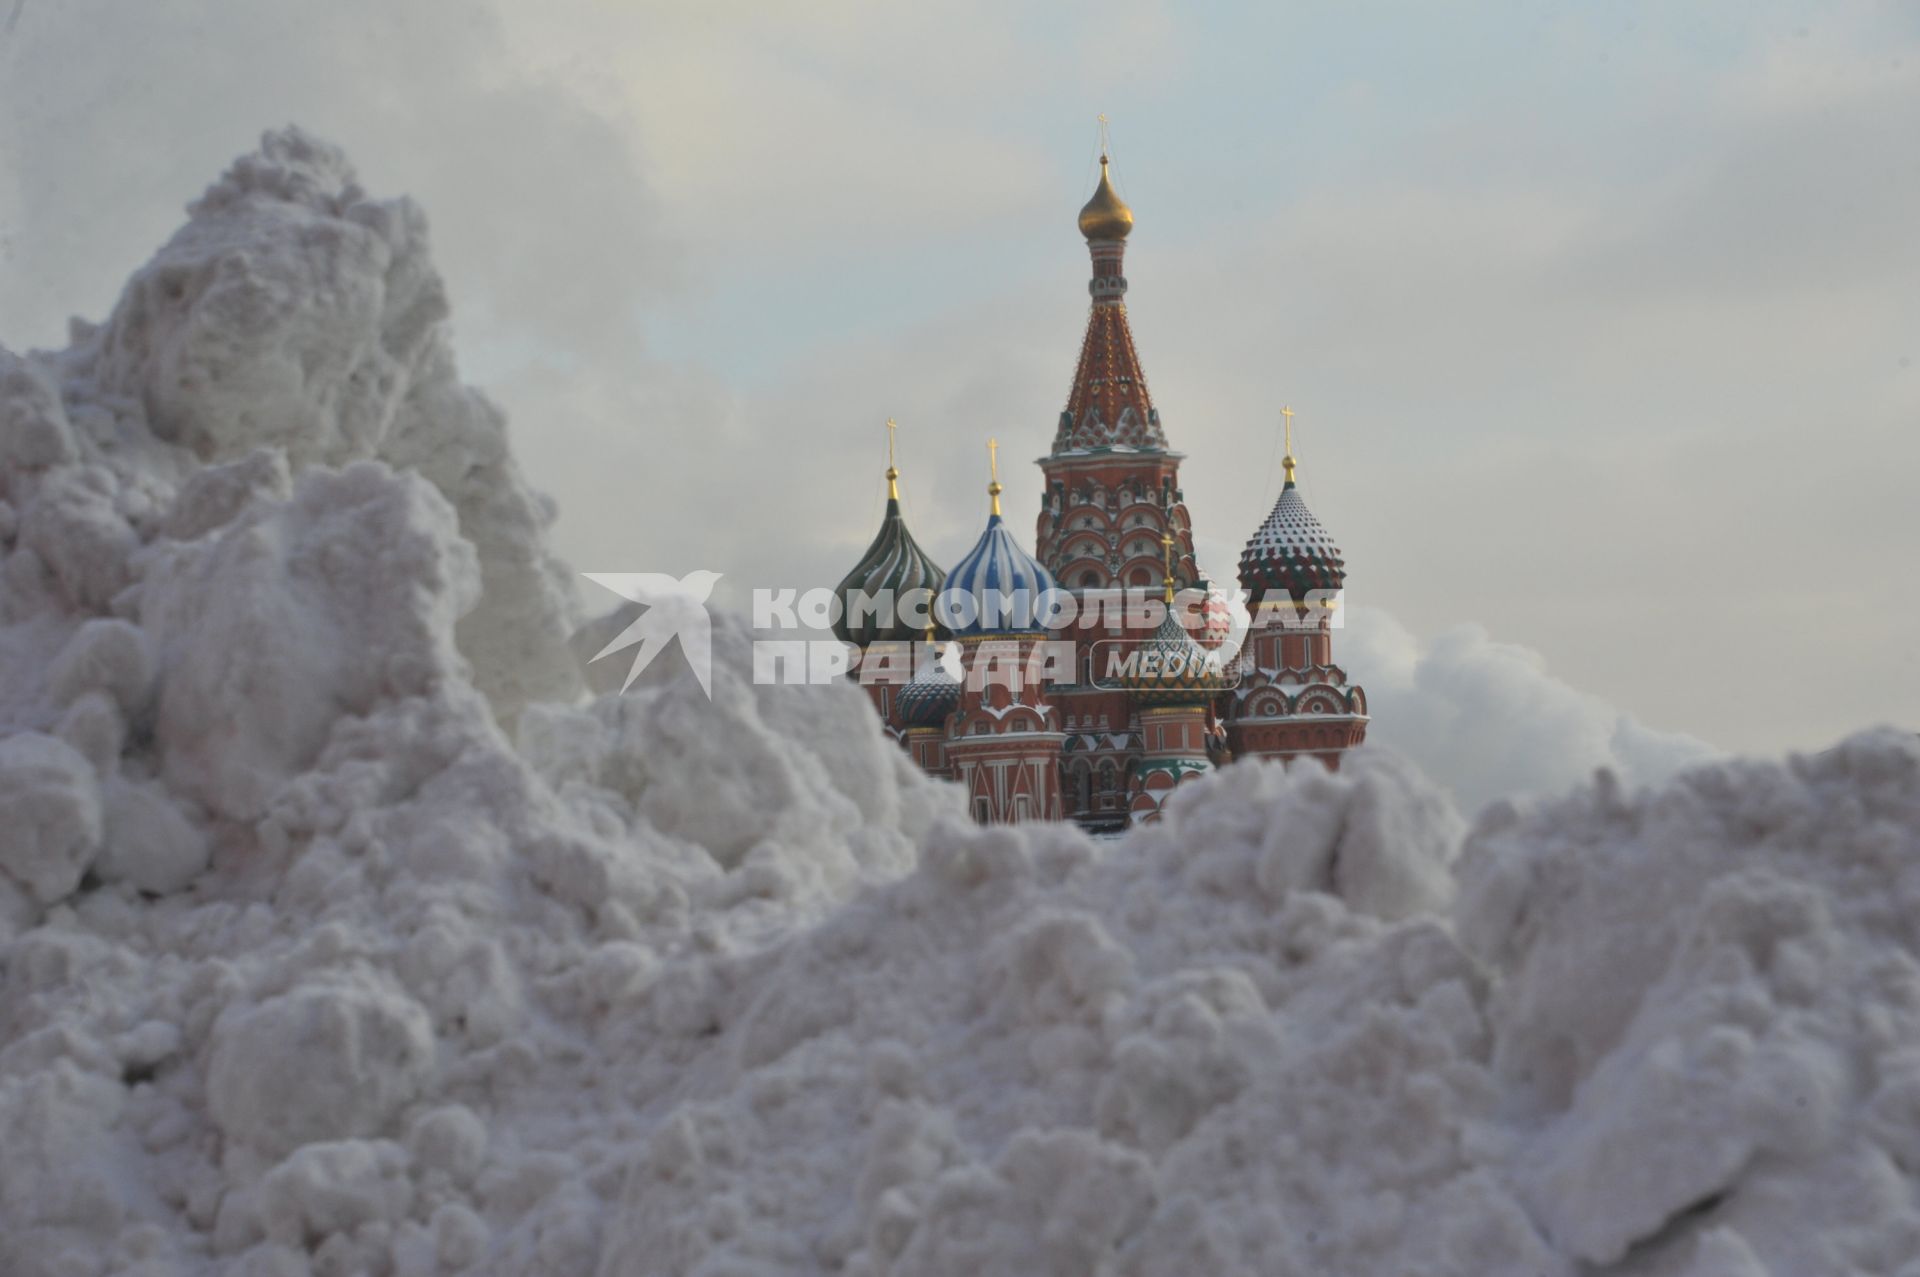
point(1108, 406)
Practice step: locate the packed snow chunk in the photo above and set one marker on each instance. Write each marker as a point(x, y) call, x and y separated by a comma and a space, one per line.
point(213, 497)
point(1187, 1049)
point(33, 423)
point(149, 842)
point(1398, 840)
point(517, 637)
point(1583, 902)
point(106, 655)
point(450, 1142)
point(96, 729)
point(334, 1187)
point(1710, 1075)
point(74, 525)
point(1721, 1252)
point(1054, 1206)
point(293, 322)
point(260, 321)
point(1377, 833)
point(462, 975)
point(50, 817)
point(1063, 968)
point(794, 791)
point(73, 1174)
point(294, 615)
point(332, 1058)
point(1699, 991)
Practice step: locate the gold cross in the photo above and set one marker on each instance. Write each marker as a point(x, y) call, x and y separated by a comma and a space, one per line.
point(993, 458)
point(893, 471)
point(1288, 414)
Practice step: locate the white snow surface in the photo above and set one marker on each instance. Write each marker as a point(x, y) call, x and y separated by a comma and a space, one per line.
point(344, 931)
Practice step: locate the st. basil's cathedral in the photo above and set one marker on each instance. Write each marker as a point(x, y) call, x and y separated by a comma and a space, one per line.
point(1107, 751)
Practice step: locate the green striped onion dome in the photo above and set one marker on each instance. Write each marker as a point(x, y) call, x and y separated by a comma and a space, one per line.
point(894, 562)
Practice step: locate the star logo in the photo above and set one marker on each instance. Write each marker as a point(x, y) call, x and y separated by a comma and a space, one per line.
point(676, 608)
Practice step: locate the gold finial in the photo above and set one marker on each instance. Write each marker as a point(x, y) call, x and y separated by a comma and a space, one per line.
point(893, 472)
point(1166, 551)
point(993, 463)
point(1106, 215)
point(1287, 461)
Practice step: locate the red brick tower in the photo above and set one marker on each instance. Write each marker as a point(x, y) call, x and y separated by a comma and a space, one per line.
point(1003, 735)
point(1292, 700)
point(1112, 492)
point(1174, 683)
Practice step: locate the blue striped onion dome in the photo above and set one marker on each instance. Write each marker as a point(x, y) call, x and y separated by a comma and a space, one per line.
point(995, 568)
point(896, 563)
point(929, 698)
point(1171, 669)
point(1291, 552)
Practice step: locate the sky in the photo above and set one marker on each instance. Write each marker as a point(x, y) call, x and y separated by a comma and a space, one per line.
point(1601, 321)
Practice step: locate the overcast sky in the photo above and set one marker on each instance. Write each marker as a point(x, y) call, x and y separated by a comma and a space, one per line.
point(1601, 321)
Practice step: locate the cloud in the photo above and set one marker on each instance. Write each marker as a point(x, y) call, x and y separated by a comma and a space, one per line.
point(1488, 720)
point(113, 116)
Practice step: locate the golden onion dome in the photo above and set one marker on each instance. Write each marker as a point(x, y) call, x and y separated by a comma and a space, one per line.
point(1106, 215)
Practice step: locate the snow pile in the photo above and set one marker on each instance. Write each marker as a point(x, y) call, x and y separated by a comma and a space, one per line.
point(1710, 1010)
point(342, 931)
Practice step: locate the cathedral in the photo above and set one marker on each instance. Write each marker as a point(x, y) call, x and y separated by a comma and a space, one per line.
point(1146, 700)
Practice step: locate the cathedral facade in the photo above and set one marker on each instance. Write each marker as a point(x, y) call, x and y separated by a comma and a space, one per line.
point(1097, 710)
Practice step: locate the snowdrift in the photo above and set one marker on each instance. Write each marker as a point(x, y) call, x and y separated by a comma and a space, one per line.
point(344, 930)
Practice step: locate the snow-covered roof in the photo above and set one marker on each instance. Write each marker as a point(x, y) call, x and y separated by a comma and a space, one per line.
point(1291, 551)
